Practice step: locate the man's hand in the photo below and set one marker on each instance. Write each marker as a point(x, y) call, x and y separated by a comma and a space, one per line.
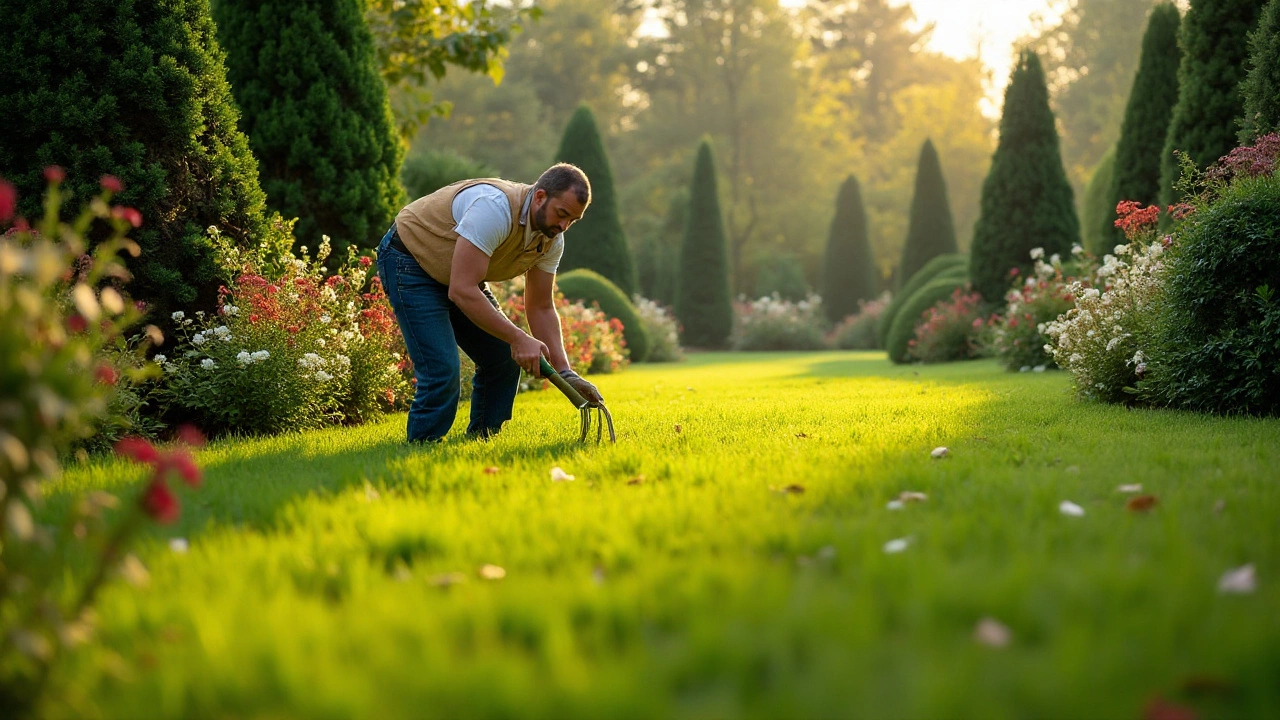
point(527, 351)
point(584, 388)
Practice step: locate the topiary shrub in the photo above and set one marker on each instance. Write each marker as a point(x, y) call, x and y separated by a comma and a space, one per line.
point(849, 272)
point(1098, 210)
point(426, 172)
point(1261, 87)
point(592, 287)
point(932, 231)
point(953, 264)
point(703, 301)
point(903, 328)
point(1217, 346)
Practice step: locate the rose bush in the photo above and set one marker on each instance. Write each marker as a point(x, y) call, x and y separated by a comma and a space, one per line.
point(949, 330)
point(1016, 334)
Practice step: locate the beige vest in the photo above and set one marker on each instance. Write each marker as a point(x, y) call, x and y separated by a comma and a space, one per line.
point(428, 231)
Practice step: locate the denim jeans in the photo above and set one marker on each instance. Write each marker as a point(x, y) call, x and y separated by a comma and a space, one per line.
point(434, 328)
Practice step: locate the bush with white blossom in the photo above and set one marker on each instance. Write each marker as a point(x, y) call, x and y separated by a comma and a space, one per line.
point(771, 323)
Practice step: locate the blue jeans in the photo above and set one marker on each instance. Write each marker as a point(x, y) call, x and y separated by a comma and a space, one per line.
point(434, 328)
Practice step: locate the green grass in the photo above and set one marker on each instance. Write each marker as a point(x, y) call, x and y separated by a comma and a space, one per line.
point(701, 592)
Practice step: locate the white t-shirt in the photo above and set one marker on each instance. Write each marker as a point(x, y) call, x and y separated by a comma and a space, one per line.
point(483, 215)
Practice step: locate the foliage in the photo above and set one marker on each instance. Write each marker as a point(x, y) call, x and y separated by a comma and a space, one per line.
point(315, 109)
point(593, 341)
point(858, 331)
point(1026, 199)
point(141, 94)
point(597, 242)
point(771, 323)
point(703, 303)
point(914, 310)
point(784, 276)
point(1203, 126)
point(1261, 86)
point(426, 172)
point(62, 312)
point(658, 254)
point(1018, 333)
point(663, 330)
point(1146, 123)
point(949, 330)
point(951, 265)
point(848, 269)
point(1097, 212)
point(593, 289)
point(1216, 346)
point(289, 347)
point(931, 232)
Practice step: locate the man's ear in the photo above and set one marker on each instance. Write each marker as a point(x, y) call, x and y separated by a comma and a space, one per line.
point(539, 196)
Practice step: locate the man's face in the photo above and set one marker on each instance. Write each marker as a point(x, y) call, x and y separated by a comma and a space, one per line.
point(554, 215)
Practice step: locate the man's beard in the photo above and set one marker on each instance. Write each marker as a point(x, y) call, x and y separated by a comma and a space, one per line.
point(540, 222)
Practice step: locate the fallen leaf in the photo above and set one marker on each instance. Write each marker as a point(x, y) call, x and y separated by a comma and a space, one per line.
point(636, 480)
point(907, 496)
point(894, 505)
point(1238, 581)
point(491, 470)
point(792, 489)
point(992, 633)
point(802, 436)
point(1141, 503)
point(447, 579)
point(179, 545)
point(939, 453)
point(559, 475)
point(678, 429)
point(1160, 709)
point(1066, 507)
point(492, 572)
point(1134, 488)
point(897, 546)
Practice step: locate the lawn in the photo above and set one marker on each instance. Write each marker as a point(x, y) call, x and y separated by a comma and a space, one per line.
point(337, 573)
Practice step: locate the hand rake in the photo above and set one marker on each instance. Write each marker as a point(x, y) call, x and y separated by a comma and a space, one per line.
point(603, 417)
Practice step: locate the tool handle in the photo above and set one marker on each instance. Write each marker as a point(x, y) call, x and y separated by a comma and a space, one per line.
point(562, 385)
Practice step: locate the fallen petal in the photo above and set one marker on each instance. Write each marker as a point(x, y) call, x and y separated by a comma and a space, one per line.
point(1141, 503)
point(559, 475)
point(992, 632)
point(907, 496)
point(894, 505)
point(897, 546)
point(939, 452)
point(1066, 507)
point(637, 480)
point(492, 572)
point(179, 545)
point(1134, 488)
point(491, 470)
point(1239, 581)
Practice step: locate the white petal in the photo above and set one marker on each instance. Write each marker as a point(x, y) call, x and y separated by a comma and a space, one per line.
point(179, 545)
point(939, 452)
point(894, 505)
point(1134, 488)
point(1066, 507)
point(992, 632)
point(897, 546)
point(1240, 581)
point(559, 475)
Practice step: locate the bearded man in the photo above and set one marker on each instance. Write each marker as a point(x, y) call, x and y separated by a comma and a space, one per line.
point(434, 263)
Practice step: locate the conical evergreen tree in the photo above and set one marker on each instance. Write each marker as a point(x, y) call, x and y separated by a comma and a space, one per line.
point(597, 241)
point(848, 271)
point(1098, 208)
point(1146, 123)
point(932, 231)
point(1026, 199)
point(316, 112)
point(137, 90)
point(1261, 86)
point(703, 302)
point(1209, 99)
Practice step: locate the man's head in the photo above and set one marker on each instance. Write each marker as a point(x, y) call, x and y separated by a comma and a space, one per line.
point(560, 197)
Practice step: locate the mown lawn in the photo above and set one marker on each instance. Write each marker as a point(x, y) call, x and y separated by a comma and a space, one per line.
point(314, 584)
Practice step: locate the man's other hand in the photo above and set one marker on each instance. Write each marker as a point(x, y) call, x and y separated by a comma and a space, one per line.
point(528, 352)
point(584, 388)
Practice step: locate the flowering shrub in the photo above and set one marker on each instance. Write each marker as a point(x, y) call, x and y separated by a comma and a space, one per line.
point(289, 347)
point(59, 309)
point(772, 323)
point(949, 330)
point(663, 329)
point(1016, 336)
point(859, 331)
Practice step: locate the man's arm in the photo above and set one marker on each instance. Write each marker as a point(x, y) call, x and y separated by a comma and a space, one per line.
point(544, 321)
point(465, 275)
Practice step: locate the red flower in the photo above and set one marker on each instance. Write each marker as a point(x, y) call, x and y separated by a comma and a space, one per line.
point(55, 174)
point(106, 375)
point(253, 319)
point(293, 329)
point(111, 183)
point(8, 201)
point(1013, 272)
point(128, 214)
point(300, 282)
point(366, 261)
point(137, 450)
point(190, 435)
point(77, 324)
point(181, 461)
point(159, 502)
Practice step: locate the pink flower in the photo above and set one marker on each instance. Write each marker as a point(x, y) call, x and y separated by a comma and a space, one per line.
point(111, 184)
point(181, 461)
point(55, 174)
point(366, 261)
point(159, 502)
point(128, 214)
point(8, 201)
point(106, 375)
point(137, 450)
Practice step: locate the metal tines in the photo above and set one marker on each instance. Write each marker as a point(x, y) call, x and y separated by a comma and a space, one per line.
point(603, 419)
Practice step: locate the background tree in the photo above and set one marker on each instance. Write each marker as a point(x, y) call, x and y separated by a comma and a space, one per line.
point(1026, 200)
point(1146, 122)
point(1098, 209)
point(597, 241)
point(931, 232)
point(1261, 86)
point(315, 109)
point(703, 302)
point(137, 90)
point(849, 271)
point(658, 255)
point(1209, 100)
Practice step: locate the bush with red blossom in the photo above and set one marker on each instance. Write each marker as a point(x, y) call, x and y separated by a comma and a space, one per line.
point(949, 330)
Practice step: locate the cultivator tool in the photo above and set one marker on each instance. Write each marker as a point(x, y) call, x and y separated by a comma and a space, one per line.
point(603, 418)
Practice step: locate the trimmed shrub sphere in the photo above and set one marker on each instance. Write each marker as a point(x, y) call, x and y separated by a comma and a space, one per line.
point(951, 263)
point(592, 287)
point(904, 325)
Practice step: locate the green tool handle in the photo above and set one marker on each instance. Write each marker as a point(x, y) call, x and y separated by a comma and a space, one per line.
point(562, 385)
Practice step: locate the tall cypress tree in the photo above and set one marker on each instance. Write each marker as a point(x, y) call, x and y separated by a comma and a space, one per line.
point(597, 241)
point(1261, 86)
point(932, 231)
point(1209, 99)
point(1098, 209)
point(1146, 121)
point(658, 256)
point(1026, 199)
point(703, 301)
point(848, 271)
point(316, 112)
point(137, 90)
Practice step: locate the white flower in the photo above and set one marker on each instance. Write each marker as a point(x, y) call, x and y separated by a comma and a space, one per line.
point(230, 310)
point(160, 358)
point(1037, 253)
point(1240, 581)
point(1077, 249)
point(311, 361)
point(197, 339)
point(1138, 357)
point(260, 355)
point(222, 331)
point(244, 358)
point(320, 342)
point(323, 376)
point(178, 315)
point(325, 319)
point(559, 475)
point(343, 360)
point(208, 364)
point(1055, 259)
point(897, 546)
point(1070, 509)
point(1121, 250)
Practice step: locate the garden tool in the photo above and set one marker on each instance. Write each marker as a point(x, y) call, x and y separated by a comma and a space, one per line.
point(603, 418)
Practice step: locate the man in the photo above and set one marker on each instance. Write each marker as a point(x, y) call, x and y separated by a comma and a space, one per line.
point(434, 263)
